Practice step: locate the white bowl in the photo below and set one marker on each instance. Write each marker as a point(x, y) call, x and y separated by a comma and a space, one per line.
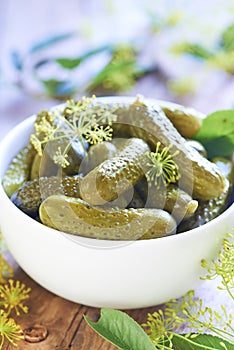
point(100, 273)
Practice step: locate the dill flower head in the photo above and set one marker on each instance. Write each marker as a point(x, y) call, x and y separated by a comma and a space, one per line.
point(13, 295)
point(162, 169)
point(6, 270)
point(9, 330)
point(223, 266)
point(82, 120)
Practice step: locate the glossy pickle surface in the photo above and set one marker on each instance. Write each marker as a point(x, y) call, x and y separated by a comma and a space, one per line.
point(166, 223)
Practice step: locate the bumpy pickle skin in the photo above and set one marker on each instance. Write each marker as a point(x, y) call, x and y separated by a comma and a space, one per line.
point(208, 210)
point(43, 166)
point(29, 197)
point(75, 216)
point(116, 175)
point(199, 177)
point(19, 170)
point(172, 199)
point(96, 155)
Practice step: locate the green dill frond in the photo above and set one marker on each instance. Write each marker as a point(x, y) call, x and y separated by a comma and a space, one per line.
point(189, 312)
point(162, 169)
point(12, 296)
point(9, 330)
point(223, 266)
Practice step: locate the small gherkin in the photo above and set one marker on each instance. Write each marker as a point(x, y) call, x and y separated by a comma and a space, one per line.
point(29, 197)
point(77, 217)
point(19, 170)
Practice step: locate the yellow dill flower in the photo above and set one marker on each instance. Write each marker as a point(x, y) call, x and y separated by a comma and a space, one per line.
point(12, 296)
point(223, 266)
point(162, 169)
point(60, 158)
point(98, 134)
point(6, 270)
point(36, 144)
point(79, 121)
point(9, 330)
point(45, 126)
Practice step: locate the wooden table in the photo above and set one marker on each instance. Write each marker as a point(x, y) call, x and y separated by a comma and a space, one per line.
point(65, 326)
point(67, 330)
point(22, 22)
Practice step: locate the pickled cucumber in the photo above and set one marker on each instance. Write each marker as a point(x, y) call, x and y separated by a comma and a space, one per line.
point(74, 150)
point(75, 216)
point(226, 166)
point(172, 199)
point(29, 197)
point(35, 169)
point(208, 210)
point(186, 120)
point(96, 155)
point(115, 175)
point(136, 201)
point(43, 166)
point(198, 147)
point(199, 176)
point(19, 170)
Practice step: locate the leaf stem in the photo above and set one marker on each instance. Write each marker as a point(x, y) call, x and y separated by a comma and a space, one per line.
point(176, 335)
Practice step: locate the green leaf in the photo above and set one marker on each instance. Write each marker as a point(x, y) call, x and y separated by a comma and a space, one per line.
point(58, 88)
point(43, 44)
point(193, 49)
point(71, 63)
point(217, 133)
point(201, 341)
point(121, 330)
point(68, 63)
point(228, 38)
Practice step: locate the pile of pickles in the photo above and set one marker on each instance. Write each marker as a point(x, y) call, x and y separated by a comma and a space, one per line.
point(104, 193)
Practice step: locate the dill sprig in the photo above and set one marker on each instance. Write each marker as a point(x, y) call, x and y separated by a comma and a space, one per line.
point(12, 296)
point(9, 330)
point(162, 169)
point(223, 266)
point(189, 312)
point(82, 120)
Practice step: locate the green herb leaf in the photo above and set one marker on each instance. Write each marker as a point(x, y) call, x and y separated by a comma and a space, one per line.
point(193, 49)
point(68, 63)
point(217, 133)
point(228, 38)
point(43, 44)
point(58, 88)
point(201, 341)
point(71, 63)
point(121, 330)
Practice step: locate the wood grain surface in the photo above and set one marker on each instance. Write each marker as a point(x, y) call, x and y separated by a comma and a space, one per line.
point(63, 320)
